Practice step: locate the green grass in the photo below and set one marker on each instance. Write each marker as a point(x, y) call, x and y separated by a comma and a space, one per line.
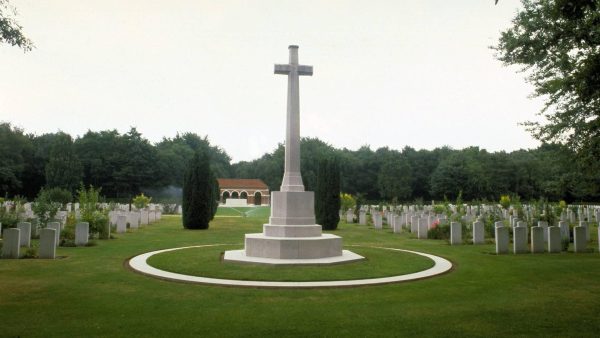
point(206, 262)
point(254, 212)
point(92, 294)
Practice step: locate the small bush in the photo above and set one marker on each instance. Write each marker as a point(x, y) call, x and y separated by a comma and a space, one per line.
point(565, 244)
point(439, 232)
point(31, 252)
point(141, 201)
point(67, 243)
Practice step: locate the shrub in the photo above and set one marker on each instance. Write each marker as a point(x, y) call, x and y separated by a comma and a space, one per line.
point(44, 208)
point(505, 201)
point(31, 252)
point(88, 205)
point(438, 231)
point(59, 195)
point(327, 201)
point(347, 201)
point(141, 201)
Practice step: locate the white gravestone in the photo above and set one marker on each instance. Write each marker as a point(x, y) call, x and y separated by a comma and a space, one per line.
point(397, 224)
point(455, 233)
point(144, 217)
point(588, 235)
point(519, 239)
point(501, 235)
point(55, 226)
point(133, 219)
point(151, 216)
point(414, 224)
point(579, 239)
point(544, 225)
point(121, 224)
point(554, 239)
point(25, 228)
point(11, 243)
point(362, 218)
point(378, 220)
point(537, 239)
point(423, 227)
point(478, 233)
point(349, 216)
point(82, 233)
point(48, 243)
point(564, 230)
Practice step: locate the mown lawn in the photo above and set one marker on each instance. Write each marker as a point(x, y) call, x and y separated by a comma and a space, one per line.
point(91, 293)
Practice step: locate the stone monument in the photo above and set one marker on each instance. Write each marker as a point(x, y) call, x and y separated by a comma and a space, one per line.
point(292, 235)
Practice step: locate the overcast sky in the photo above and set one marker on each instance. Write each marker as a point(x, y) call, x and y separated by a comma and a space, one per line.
point(386, 73)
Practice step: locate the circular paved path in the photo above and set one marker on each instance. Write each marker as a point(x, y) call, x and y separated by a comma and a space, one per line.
point(139, 264)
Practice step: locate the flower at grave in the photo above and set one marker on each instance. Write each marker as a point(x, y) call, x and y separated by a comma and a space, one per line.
point(435, 224)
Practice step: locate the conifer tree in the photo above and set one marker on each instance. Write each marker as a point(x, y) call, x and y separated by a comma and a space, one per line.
point(327, 194)
point(198, 187)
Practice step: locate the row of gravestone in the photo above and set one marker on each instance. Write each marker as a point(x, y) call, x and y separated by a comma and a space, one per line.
point(15, 238)
point(120, 219)
point(542, 236)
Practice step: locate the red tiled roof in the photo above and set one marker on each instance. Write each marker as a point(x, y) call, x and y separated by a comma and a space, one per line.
point(242, 183)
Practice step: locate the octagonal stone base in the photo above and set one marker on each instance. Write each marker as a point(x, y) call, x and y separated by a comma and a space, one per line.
point(240, 256)
point(326, 245)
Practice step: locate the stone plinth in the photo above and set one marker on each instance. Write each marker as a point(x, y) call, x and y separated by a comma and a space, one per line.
point(292, 208)
point(326, 245)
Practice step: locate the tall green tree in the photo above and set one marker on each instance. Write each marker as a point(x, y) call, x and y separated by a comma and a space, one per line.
point(327, 193)
point(557, 44)
point(15, 149)
point(64, 169)
point(395, 179)
point(198, 192)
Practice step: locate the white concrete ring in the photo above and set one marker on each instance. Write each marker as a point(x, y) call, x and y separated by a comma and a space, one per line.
point(139, 264)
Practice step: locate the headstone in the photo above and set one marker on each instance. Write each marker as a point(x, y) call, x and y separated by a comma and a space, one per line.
point(455, 233)
point(564, 230)
point(378, 220)
point(151, 216)
point(25, 228)
point(144, 217)
point(55, 226)
point(134, 219)
point(537, 239)
point(349, 216)
point(362, 218)
point(544, 225)
point(121, 224)
point(478, 233)
point(588, 235)
point(397, 224)
point(554, 239)
point(48, 243)
point(519, 239)
point(501, 234)
point(414, 224)
point(423, 227)
point(82, 233)
point(579, 239)
point(11, 243)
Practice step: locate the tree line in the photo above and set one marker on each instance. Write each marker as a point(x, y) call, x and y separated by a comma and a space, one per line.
point(124, 165)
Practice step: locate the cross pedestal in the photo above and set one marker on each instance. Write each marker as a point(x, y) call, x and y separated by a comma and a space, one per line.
point(292, 235)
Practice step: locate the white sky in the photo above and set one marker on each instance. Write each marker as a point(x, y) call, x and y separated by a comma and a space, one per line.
point(386, 73)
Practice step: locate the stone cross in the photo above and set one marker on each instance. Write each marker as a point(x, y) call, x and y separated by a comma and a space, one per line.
point(292, 180)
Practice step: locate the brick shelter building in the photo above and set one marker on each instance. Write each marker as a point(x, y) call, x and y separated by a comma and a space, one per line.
point(254, 191)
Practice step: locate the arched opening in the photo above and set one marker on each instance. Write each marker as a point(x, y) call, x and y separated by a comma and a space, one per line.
point(244, 196)
point(235, 195)
point(257, 198)
point(225, 196)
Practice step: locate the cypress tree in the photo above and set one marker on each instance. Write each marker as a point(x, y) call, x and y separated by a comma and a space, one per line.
point(327, 194)
point(198, 187)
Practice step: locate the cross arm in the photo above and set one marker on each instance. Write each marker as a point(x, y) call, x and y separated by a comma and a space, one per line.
point(283, 69)
point(305, 70)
